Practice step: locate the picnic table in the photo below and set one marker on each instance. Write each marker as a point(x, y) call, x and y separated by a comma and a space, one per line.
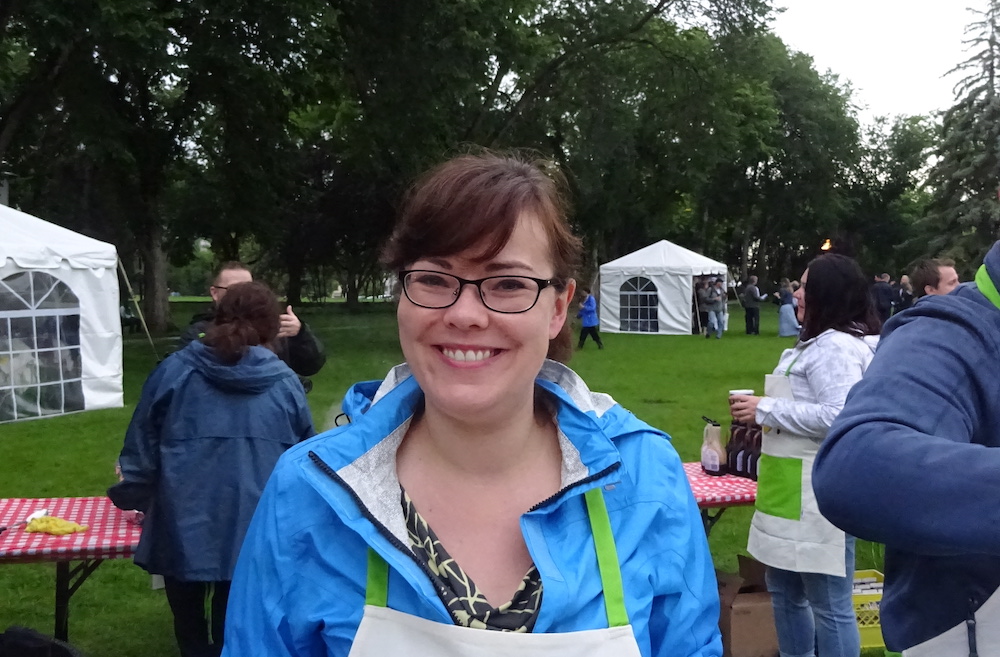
point(111, 534)
point(718, 493)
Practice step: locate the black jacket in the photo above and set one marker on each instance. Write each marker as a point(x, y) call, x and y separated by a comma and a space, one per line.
point(303, 353)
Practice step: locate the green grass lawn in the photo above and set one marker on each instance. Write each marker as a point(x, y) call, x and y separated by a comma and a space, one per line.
point(668, 381)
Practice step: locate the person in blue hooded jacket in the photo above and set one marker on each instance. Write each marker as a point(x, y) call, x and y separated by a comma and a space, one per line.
point(482, 501)
point(589, 320)
point(210, 424)
point(912, 462)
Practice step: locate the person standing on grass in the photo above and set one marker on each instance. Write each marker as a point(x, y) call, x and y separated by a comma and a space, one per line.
point(810, 563)
point(751, 305)
point(589, 320)
point(912, 463)
point(482, 500)
point(716, 308)
point(296, 344)
point(211, 423)
point(701, 296)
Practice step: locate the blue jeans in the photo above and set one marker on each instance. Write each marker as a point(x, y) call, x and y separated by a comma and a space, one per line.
point(815, 611)
point(716, 320)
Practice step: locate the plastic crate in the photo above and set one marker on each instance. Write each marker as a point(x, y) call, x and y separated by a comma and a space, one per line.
point(866, 609)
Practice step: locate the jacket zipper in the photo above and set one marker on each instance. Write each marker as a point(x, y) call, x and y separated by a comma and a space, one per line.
point(396, 543)
point(970, 625)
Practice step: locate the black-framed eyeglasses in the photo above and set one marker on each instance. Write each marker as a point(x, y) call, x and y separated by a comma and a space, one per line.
point(501, 294)
point(221, 287)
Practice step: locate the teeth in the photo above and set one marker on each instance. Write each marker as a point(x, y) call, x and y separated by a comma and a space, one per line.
point(468, 356)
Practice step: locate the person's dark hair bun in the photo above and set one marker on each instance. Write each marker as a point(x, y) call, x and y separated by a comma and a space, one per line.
point(247, 315)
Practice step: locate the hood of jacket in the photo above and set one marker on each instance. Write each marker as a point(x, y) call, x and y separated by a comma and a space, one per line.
point(256, 372)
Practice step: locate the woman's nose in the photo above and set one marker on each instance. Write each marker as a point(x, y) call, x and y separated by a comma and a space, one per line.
point(468, 309)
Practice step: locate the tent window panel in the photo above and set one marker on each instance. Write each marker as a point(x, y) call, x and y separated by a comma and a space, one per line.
point(72, 396)
point(15, 292)
point(4, 334)
point(26, 402)
point(58, 296)
point(72, 367)
point(6, 405)
point(47, 332)
point(50, 399)
point(69, 330)
point(22, 334)
point(49, 370)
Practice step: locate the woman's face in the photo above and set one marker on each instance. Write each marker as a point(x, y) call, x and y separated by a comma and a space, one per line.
point(800, 295)
point(471, 362)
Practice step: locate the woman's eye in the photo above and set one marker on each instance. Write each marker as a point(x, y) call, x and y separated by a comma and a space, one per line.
point(431, 280)
point(509, 284)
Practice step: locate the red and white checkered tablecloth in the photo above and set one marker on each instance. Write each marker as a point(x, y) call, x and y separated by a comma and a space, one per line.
point(727, 490)
point(112, 533)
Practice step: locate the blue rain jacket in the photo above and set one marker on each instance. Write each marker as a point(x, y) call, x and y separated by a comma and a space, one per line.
point(299, 587)
point(202, 442)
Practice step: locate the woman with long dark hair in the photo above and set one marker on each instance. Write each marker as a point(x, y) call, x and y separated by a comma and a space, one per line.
point(211, 423)
point(810, 563)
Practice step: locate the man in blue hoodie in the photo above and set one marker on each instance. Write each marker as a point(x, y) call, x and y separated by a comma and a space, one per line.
point(910, 462)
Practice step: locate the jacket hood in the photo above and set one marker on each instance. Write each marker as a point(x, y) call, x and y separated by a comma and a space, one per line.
point(256, 372)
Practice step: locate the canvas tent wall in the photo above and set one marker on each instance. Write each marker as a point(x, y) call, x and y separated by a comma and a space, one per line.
point(60, 330)
point(650, 290)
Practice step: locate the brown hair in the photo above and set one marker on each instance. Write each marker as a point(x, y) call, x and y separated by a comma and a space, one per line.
point(928, 272)
point(476, 201)
point(246, 316)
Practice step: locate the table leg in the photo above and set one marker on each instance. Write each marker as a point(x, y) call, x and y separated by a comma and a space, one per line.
point(709, 520)
point(68, 580)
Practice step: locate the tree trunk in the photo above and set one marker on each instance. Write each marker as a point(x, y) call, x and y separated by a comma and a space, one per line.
point(294, 290)
point(155, 306)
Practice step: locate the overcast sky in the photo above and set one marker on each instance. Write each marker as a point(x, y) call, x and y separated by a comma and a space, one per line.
point(894, 52)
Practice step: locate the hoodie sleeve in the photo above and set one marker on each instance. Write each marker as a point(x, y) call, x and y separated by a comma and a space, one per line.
point(907, 462)
point(830, 368)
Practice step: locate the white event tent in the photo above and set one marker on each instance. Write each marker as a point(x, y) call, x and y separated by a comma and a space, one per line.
point(60, 327)
point(650, 290)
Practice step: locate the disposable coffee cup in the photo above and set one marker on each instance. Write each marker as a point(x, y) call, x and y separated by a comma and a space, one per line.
point(741, 391)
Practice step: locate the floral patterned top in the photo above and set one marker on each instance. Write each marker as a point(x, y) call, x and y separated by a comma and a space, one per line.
point(466, 604)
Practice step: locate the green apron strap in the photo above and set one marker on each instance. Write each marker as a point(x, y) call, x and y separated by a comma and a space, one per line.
point(607, 558)
point(377, 589)
point(986, 286)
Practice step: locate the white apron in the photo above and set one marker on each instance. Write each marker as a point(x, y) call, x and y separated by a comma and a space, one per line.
point(385, 632)
point(787, 530)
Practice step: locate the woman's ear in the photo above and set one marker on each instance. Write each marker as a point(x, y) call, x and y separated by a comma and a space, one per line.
point(561, 308)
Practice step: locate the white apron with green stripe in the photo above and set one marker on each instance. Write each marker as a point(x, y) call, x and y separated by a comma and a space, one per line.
point(787, 530)
point(385, 632)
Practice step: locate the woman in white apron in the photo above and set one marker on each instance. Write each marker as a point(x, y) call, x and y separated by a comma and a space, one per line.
point(810, 562)
point(482, 501)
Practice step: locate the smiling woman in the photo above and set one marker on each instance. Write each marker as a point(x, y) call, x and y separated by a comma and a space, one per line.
point(481, 484)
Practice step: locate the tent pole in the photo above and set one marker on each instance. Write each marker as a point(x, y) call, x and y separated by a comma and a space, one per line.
point(138, 310)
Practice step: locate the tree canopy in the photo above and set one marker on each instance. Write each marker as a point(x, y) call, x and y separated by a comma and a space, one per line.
point(285, 134)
